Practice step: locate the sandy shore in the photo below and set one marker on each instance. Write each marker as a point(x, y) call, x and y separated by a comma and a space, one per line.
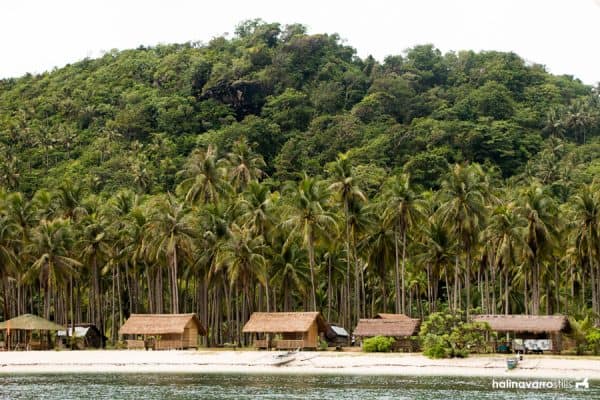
point(207, 361)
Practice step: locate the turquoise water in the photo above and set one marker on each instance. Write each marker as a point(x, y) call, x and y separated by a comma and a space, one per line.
point(237, 386)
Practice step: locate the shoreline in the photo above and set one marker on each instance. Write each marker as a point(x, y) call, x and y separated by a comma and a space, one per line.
point(308, 362)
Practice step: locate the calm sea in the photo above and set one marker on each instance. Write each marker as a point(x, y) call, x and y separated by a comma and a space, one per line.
point(236, 386)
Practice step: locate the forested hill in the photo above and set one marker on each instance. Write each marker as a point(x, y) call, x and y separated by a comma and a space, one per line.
point(278, 171)
point(131, 118)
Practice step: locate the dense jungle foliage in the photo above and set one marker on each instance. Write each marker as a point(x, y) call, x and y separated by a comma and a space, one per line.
point(277, 170)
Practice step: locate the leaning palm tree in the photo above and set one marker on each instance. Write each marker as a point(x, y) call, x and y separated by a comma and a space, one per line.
point(401, 213)
point(170, 235)
point(306, 216)
point(463, 197)
point(50, 248)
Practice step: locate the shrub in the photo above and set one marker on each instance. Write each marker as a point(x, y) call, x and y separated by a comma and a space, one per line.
point(445, 335)
point(593, 339)
point(379, 344)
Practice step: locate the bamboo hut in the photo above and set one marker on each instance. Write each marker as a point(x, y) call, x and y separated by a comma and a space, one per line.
point(528, 327)
point(29, 323)
point(399, 326)
point(86, 336)
point(289, 330)
point(162, 331)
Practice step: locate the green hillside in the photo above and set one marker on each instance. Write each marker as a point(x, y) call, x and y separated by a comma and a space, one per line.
point(278, 170)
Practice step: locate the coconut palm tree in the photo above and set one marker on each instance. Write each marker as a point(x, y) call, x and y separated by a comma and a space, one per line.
point(586, 218)
point(463, 195)
point(245, 165)
point(436, 249)
point(94, 242)
point(401, 213)
point(240, 255)
point(378, 245)
point(8, 241)
point(171, 232)
point(344, 187)
point(290, 273)
point(306, 217)
point(505, 236)
point(204, 177)
point(540, 212)
point(50, 248)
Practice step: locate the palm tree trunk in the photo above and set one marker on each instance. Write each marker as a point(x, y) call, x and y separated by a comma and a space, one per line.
point(329, 288)
point(397, 272)
point(455, 300)
point(311, 259)
point(506, 291)
point(174, 289)
point(403, 270)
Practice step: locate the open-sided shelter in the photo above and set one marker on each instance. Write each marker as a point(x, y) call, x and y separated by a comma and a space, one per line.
point(29, 323)
point(287, 330)
point(162, 331)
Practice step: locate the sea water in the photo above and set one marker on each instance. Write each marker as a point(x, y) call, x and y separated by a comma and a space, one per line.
point(282, 386)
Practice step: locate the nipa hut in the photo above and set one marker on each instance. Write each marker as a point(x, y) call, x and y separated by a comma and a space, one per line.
point(86, 336)
point(29, 323)
point(528, 327)
point(398, 326)
point(162, 331)
point(287, 330)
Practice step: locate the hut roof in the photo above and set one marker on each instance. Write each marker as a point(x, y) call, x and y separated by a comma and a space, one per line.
point(387, 327)
point(340, 331)
point(30, 322)
point(81, 330)
point(525, 323)
point(392, 316)
point(282, 322)
point(159, 324)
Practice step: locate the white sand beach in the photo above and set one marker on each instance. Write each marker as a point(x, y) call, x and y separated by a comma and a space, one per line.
point(207, 361)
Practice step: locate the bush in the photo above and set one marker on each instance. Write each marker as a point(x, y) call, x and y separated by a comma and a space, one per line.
point(593, 339)
point(378, 344)
point(445, 335)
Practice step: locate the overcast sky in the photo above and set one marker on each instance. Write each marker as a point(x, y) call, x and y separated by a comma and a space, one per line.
point(564, 35)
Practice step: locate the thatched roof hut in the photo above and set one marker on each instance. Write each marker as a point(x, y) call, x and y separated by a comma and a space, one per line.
point(169, 330)
point(393, 327)
point(525, 323)
point(30, 322)
point(298, 329)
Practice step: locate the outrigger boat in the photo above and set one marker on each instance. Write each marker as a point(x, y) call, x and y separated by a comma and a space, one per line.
point(277, 360)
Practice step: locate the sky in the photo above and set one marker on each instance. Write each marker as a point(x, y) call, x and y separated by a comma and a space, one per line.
point(563, 35)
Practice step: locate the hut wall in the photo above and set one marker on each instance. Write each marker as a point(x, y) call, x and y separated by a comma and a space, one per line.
point(311, 337)
point(190, 335)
